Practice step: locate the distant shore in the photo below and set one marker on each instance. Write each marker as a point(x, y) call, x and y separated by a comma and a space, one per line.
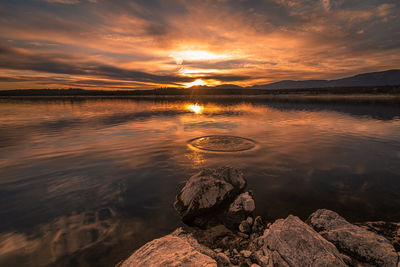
point(208, 91)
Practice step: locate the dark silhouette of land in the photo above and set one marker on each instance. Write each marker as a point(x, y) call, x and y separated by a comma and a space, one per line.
point(385, 82)
point(203, 91)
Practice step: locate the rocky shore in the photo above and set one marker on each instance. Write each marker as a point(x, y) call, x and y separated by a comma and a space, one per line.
point(223, 231)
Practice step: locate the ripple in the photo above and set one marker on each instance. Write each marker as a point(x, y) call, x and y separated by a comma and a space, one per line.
point(222, 143)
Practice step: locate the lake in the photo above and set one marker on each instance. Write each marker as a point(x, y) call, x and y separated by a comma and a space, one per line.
point(87, 181)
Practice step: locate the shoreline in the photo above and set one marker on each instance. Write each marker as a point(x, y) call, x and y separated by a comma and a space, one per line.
point(222, 230)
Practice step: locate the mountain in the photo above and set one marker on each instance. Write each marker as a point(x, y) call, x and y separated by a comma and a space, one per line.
point(382, 78)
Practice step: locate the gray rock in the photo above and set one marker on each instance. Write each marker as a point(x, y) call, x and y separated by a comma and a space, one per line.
point(170, 250)
point(206, 191)
point(291, 242)
point(360, 244)
point(239, 210)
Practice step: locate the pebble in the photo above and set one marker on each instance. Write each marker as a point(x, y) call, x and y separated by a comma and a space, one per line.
point(246, 253)
point(249, 220)
point(242, 235)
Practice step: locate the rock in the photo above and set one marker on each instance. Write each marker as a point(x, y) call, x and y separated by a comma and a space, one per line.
point(242, 235)
point(208, 191)
point(245, 253)
point(244, 227)
point(170, 250)
point(250, 220)
point(223, 260)
point(239, 210)
point(258, 226)
point(358, 243)
point(291, 242)
point(389, 230)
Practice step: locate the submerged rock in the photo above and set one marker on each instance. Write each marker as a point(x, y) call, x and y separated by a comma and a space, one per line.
point(171, 250)
point(291, 242)
point(206, 192)
point(360, 244)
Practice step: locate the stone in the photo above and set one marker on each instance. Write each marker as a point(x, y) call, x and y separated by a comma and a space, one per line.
point(291, 242)
point(244, 227)
point(171, 250)
point(360, 244)
point(243, 235)
point(245, 253)
point(223, 260)
point(240, 209)
point(258, 226)
point(208, 191)
point(389, 230)
point(250, 220)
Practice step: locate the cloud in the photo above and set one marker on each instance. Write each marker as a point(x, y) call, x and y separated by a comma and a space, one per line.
point(254, 41)
point(69, 2)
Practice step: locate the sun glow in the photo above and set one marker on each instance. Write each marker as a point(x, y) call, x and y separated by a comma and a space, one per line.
point(196, 55)
point(195, 108)
point(198, 82)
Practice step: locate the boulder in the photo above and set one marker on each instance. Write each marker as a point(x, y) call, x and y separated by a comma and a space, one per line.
point(208, 192)
point(291, 242)
point(176, 249)
point(239, 210)
point(389, 230)
point(360, 244)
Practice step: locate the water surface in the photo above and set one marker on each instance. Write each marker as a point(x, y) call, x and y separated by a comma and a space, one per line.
point(87, 181)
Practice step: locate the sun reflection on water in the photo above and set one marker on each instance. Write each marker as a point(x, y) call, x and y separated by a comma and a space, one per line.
point(195, 108)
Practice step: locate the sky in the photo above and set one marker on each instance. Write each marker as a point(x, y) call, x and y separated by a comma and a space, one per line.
point(142, 44)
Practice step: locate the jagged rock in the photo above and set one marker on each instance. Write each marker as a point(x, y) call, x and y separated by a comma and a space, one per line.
point(239, 210)
point(360, 244)
point(208, 191)
point(175, 249)
point(389, 230)
point(291, 242)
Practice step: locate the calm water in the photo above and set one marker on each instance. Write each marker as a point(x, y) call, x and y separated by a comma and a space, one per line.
point(85, 182)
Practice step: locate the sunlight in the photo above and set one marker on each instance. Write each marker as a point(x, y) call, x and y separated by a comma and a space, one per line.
point(196, 82)
point(195, 108)
point(196, 55)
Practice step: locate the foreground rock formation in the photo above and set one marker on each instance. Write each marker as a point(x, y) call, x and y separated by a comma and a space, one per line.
point(224, 232)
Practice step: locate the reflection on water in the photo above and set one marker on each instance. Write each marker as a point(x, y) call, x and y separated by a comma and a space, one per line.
point(88, 181)
point(196, 108)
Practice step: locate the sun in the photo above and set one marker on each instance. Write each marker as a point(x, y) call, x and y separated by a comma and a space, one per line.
point(196, 82)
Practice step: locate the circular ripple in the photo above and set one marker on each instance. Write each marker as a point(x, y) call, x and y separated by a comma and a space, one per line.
point(222, 143)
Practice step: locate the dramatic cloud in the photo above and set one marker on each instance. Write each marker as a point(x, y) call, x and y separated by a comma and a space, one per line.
point(150, 43)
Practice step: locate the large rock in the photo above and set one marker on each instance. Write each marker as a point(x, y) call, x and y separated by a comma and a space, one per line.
point(208, 191)
point(176, 249)
point(360, 244)
point(291, 242)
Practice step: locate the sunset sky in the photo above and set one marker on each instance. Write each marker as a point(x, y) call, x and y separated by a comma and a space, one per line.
point(121, 44)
